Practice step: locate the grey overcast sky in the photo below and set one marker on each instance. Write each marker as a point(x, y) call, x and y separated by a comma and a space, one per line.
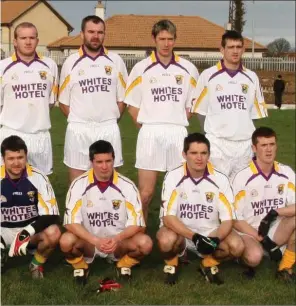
point(272, 19)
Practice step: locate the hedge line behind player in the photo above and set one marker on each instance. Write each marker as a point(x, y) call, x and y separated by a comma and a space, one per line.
point(104, 215)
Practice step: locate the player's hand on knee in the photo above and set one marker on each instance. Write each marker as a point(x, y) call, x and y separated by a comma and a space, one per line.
point(205, 245)
point(272, 248)
point(266, 222)
point(19, 244)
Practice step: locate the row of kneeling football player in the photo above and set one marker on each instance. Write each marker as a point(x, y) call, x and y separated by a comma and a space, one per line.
point(199, 212)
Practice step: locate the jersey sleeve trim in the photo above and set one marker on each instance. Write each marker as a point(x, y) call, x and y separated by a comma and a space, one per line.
point(258, 108)
point(291, 186)
point(172, 200)
point(223, 199)
point(131, 208)
point(193, 82)
point(43, 204)
point(65, 83)
point(136, 82)
point(120, 76)
point(240, 195)
point(77, 206)
point(200, 98)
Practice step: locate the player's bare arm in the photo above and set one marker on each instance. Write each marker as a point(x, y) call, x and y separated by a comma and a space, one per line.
point(80, 231)
point(128, 232)
point(289, 211)
point(121, 107)
point(177, 226)
point(65, 109)
point(223, 230)
point(134, 111)
point(244, 227)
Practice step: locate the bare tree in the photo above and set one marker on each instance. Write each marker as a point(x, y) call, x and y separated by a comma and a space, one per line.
point(238, 21)
point(278, 46)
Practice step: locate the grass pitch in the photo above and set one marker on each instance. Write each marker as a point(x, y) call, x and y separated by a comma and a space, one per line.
point(147, 286)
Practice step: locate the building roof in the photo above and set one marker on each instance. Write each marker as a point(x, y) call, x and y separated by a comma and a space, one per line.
point(11, 10)
point(134, 31)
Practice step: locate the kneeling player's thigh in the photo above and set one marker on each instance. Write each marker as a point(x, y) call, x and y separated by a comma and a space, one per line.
point(139, 241)
point(77, 143)
point(166, 236)
point(253, 250)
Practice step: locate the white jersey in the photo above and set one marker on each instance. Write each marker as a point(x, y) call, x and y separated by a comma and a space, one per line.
point(106, 212)
point(93, 86)
point(162, 93)
point(256, 194)
point(229, 101)
point(27, 91)
point(23, 201)
point(200, 204)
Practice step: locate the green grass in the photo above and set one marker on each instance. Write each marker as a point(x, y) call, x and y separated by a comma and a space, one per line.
point(147, 286)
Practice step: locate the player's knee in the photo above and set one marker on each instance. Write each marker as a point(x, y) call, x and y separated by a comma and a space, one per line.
point(253, 257)
point(67, 242)
point(236, 247)
point(53, 234)
point(166, 240)
point(145, 244)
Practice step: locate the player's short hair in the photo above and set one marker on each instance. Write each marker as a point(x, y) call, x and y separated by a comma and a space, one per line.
point(233, 35)
point(93, 18)
point(24, 25)
point(195, 137)
point(164, 25)
point(13, 143)
point(262, 131)
point(279, 76)
point(100, 147)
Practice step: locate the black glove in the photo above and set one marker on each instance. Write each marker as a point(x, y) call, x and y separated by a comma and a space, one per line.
point(272, 249)
point(266, 222)
point(205, 245)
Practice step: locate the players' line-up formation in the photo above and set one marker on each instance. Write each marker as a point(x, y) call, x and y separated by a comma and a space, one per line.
point(221, 205)
point(199, 213)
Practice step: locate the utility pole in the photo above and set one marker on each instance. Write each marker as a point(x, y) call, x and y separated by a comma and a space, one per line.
point(231, 15)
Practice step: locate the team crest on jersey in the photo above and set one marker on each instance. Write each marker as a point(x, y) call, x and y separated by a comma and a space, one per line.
point(152, 80)
point(116, 204)
point(31, 195)
point(219, 87)
point(179, 79)
point(209, 197)
point(89, 204)
point(254, 193)
point(245, 88)
point(3, 199)
point(108, 70)
point(43, 75)
point(81, 72)
point(14, 77)
point(183, 195)
point(281, 188)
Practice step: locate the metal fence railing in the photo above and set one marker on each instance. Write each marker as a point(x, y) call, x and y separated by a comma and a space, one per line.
point(264, 63)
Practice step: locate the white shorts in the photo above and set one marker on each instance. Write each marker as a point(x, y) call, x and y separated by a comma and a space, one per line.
point(159, 147)
point(97, 253)
point(39, 148)
point(79, 137)
point(229, 156)
point(8, 234)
